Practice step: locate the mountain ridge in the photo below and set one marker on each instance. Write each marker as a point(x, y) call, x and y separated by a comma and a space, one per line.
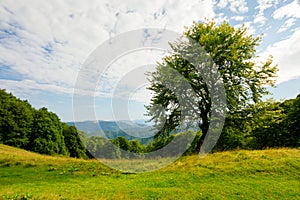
point(112, 129)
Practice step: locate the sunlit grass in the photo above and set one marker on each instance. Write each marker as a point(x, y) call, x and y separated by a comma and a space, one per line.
point(267, 174)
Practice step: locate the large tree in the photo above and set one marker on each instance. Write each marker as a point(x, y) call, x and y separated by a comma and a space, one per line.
point(47, 134)
point(16, 118)
point(229, 50)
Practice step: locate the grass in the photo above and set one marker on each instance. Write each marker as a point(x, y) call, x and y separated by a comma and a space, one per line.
point(267, 174)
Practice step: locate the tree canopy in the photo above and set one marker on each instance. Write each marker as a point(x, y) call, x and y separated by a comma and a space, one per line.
point(16, 120)
point(36, 130)
point(232, 52)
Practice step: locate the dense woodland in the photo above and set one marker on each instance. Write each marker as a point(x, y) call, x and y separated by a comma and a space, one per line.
point(267, 124)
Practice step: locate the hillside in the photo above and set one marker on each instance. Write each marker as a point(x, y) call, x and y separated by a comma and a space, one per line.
point(267, 174)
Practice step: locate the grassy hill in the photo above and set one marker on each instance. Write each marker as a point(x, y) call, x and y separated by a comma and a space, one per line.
point(267, 174)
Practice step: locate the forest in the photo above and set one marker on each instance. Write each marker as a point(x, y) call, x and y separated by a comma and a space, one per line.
point(268, 124)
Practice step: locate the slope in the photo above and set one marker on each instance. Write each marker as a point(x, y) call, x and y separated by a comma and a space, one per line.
point(267, 174)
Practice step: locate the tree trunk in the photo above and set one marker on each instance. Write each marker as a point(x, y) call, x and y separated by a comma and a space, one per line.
point(204, 128)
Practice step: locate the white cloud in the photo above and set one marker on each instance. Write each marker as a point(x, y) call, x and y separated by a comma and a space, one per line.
point(47, 42)
point(127, 75)
point(263, 5)
point(30, 85)
point(238, 18)
point(260, 19)
point(220, 18)
point(286, 55)
point(222, 3)
point(266, 4)
point(236, 6)
point(289, 10)
point(290, 22)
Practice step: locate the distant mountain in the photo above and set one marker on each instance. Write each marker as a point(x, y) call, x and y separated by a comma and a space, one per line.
point(142, 122)
point(112, 129)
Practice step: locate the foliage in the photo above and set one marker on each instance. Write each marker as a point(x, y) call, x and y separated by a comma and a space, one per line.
point(257, 126)
point(292, 122)
point(232, 50)
point(262, 125)
point(16, 119)
point(46, 134)
point(73, 141)
point(36, 130)
point(267, 125)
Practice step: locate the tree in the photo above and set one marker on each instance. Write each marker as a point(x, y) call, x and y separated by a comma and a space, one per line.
point(47, 136)
point(16, 118)
point(73, 142)
point(36, 130)
point(232, 52)
point(135, 146)
point(122, 143)
point(94, 146)
point(262, 125)
point(268, 125)
point(292, 122)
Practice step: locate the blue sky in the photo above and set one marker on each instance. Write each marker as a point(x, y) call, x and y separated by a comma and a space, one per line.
point(44, 44)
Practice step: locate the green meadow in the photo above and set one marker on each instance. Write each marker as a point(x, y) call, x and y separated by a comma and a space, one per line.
point(239, 174)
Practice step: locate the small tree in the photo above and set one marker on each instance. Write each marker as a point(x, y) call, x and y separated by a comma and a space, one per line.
point(73, 142)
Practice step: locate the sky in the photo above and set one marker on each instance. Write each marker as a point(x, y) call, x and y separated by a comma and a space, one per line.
point(44, 45)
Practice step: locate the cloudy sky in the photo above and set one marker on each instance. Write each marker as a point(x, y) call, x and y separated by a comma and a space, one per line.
point(45, 44)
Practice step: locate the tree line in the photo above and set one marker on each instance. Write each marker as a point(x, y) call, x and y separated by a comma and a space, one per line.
point(267, 124)
point(37, 130)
